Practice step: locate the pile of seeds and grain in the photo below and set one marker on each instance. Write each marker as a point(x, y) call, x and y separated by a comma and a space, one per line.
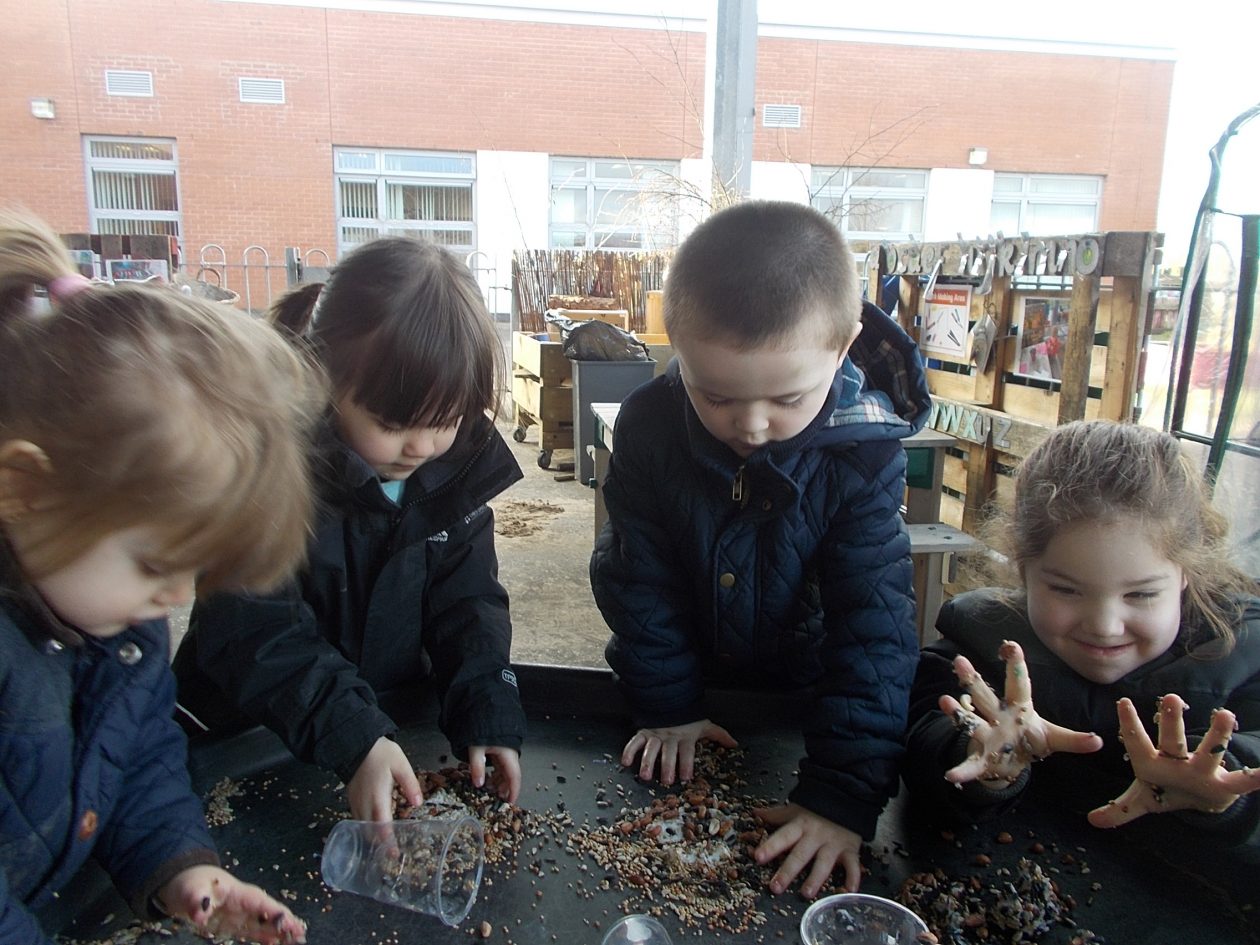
point(1012, 906)
point(506, 828)
point(688, 852)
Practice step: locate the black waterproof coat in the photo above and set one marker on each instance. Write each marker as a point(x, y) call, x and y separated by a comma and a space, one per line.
point(789, 569)
point(391, 595)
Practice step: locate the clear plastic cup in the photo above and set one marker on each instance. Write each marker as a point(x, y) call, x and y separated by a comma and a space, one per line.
point(636, 930)
point(859, 919)
point(431, 865)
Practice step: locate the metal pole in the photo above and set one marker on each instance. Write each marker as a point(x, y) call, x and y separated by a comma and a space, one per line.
point(1196, 268)
point(735, 74)
point(1244, 313)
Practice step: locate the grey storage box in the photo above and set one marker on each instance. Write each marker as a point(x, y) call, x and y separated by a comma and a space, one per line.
point(597, 382)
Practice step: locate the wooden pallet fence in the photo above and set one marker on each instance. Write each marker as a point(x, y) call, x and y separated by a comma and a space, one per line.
point(1090, 293)
point(1085, 298)
point(990, 444)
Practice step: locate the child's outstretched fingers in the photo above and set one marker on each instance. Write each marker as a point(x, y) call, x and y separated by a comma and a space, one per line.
point(1018, 684)
point(1170, 778)
point(1243, 780)
point(1005, 735)
point(1172, 727)
point(984, 700)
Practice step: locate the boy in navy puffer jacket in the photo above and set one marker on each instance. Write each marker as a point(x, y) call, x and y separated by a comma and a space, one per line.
point(754, 530)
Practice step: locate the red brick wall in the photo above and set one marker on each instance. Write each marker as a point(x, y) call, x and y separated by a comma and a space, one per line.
point(912, 106)
point(257, 174)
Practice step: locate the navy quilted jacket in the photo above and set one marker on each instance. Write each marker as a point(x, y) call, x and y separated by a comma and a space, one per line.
point(91, 762)
point(803, 581)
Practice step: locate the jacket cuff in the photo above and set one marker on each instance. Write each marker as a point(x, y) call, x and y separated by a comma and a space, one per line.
point(142, 900)
point(973, 795)
point(665, 716)
point(513, 742)
point(846, 811)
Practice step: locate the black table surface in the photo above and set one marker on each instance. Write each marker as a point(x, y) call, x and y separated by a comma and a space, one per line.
point(284, 809)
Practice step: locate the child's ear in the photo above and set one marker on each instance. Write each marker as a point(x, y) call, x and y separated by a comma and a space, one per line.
point(857, 330)
point(24, 473)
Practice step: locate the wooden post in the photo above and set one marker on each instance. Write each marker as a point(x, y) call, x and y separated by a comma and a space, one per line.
point(1130, 293)
point(908, 295)
point(1074, 389)
point(654, 317)
point(980, 476)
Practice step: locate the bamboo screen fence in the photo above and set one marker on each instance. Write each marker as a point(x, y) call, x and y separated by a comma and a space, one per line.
point(625, 277)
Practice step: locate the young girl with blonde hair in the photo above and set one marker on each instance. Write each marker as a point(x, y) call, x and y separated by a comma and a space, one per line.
point(400, 593)
point(146, 440)
point(1129, 603)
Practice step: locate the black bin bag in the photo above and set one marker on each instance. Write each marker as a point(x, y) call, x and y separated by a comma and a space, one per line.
point(599, 341)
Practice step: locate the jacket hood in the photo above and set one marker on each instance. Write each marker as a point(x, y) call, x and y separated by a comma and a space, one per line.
point(880, 391)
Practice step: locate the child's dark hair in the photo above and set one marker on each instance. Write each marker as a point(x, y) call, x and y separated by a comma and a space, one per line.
point(402, 329)
point(750, 274)
point(1100, 470)
point(154, 409)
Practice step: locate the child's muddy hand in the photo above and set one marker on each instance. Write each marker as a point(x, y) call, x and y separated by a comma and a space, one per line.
point(219, 904)
point(1006, 735)
point(1169, 776)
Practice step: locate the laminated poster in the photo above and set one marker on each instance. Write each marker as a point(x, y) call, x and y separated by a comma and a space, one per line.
point(946, 314)
point(1042, 328)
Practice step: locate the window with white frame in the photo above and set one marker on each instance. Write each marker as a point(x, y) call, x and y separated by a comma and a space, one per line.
point(426, 195)
point(1045, 204)
point(872, 202)
point(133, 186)
point(605, 203)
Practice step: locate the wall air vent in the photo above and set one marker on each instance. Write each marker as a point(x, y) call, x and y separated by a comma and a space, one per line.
point(134, 84)
point(781, 116)
point(262, 91)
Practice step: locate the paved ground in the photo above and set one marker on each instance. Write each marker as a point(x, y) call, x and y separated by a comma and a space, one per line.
point(545, 527)
point(545, 530)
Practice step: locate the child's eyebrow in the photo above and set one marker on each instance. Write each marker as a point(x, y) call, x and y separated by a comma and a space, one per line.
point(1073, 579)
point(787, 395)
point(1153, 579)
point(1055, 572)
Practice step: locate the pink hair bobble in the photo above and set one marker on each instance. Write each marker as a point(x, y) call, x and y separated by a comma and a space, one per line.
point(62, 287)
